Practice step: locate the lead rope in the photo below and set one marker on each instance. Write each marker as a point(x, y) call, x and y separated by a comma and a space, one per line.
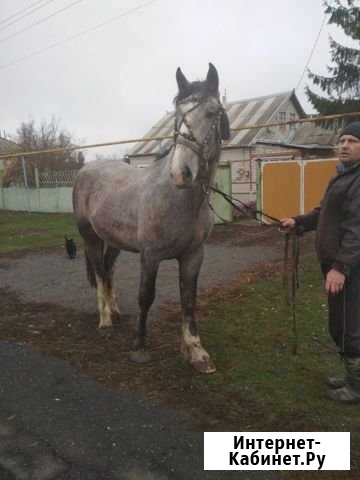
point(292, 285)
point(290, 293)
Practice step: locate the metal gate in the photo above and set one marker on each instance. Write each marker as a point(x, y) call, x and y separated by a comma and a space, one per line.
point(286, 188)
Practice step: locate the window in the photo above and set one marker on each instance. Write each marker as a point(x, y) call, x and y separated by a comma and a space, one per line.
point(282, 116)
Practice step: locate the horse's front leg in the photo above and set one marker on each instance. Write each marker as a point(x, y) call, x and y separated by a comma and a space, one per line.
point(191, 346)
point(149, 269)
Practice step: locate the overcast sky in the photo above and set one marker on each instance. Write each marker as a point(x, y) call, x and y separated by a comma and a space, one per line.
point(116, 81)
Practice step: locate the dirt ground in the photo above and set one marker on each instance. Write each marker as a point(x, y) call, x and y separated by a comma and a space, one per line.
point(45, 302)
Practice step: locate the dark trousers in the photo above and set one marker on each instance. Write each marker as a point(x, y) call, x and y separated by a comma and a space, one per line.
point(344, 314)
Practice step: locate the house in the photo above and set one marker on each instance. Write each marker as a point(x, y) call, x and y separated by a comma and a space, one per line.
point(239, 150)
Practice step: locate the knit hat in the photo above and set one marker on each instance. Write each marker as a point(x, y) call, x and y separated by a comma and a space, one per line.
point(351, 129)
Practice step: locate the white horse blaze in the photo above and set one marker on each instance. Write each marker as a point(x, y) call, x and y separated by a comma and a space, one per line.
point(104, 304)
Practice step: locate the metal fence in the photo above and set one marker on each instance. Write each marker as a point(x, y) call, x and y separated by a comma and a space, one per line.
point(64, 178)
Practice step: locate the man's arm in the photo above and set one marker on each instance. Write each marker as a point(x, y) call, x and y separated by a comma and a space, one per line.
point(305, 223)
point(308, 221)
point(348, 255)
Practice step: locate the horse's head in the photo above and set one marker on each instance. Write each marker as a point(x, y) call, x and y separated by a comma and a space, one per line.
point(201, 123)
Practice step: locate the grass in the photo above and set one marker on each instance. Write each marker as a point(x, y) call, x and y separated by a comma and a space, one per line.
point(250, 334)
point(24, 231)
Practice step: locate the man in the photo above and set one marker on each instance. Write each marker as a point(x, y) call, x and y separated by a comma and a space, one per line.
point(337, 224)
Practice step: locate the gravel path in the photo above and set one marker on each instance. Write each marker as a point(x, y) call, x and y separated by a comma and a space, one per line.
point(53, 278)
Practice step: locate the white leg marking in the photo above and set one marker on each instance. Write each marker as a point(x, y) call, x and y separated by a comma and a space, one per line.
point(103, 304)
point(193, 349)
point(113, 303)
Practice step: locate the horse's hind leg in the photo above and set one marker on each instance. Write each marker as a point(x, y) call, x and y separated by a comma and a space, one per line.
point(99, 271)
point(110, 257)
point(149, 269)
point(94, 252)
point(191, 346)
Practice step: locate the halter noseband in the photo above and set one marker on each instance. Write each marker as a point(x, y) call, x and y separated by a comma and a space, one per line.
point(188, 139)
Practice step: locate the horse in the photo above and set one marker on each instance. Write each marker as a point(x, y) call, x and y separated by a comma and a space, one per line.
point(161, 212)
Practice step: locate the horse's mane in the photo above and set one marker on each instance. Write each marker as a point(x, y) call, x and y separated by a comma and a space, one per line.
point(198, 88)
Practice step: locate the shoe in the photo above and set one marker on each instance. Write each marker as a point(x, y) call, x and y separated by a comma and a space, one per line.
point(336, 382)
point(350, 392)
point(345, 394)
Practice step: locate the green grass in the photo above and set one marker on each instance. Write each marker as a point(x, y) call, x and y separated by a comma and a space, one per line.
point(23, 231)
point(266, 386)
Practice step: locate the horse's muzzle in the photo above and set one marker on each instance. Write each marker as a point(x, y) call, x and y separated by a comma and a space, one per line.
point(184, 171)
point(182, 178)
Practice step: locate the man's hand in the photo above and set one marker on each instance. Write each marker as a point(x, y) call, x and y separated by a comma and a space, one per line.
point(334, 282)
point(287, 223)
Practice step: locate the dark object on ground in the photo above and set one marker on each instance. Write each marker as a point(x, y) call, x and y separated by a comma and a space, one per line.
point(70, 247)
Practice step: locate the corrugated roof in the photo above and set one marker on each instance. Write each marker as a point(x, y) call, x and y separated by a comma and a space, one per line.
point(309, 133)
point(308, 136)
point(252, 111)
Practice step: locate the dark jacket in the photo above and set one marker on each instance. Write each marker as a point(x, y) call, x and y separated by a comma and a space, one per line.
point(337, 222)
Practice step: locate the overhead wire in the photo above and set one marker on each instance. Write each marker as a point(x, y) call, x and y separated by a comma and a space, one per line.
point(80, 34)
point(26, 14)
point(19, 12)
point(311, 52)
point(169, 137)
point(4, 39)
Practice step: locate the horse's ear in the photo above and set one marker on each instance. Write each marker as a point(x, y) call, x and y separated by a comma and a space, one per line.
point(212, 80)
point(182, 82)
point(225, 126)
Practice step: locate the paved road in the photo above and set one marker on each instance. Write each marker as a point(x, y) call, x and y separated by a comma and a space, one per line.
point(57, 424)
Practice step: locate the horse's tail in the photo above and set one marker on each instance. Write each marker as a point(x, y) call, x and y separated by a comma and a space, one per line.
point(90, 271)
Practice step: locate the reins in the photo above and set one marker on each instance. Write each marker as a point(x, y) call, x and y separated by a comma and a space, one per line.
point(290, 264)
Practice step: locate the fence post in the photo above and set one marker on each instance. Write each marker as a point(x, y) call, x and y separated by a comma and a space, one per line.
point(24, 172)
point(37, 183)
point(26, 184)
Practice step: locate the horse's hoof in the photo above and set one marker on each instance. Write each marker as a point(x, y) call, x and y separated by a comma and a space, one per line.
point(106, 332)
point(140, 356)
point(204, 366)
point(105, 326)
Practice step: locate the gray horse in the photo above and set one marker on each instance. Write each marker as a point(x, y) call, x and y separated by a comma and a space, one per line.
point(161, 212)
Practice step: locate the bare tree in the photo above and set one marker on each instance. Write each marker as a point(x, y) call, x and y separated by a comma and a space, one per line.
point(47, 136)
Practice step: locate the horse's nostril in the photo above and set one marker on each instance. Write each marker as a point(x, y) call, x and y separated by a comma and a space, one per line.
point(187, 173)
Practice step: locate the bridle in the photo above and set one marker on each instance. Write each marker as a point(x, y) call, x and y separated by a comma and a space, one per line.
point(189, 140)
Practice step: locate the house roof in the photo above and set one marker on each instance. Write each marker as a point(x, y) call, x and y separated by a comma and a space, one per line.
point(252, 111)
point(309, 133)
point(308, 136)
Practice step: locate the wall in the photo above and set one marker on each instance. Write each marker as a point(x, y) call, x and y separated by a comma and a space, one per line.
point(243, 174)
point(284, 133)
point(54, 200)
